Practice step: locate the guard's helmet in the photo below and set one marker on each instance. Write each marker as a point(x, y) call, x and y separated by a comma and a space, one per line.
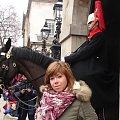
point(91, 18)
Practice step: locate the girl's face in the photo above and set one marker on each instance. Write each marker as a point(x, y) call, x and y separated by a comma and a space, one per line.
point(58, 82)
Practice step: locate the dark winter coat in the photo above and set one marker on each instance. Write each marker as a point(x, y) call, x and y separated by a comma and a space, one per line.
point(27, 100)
point(89, 63)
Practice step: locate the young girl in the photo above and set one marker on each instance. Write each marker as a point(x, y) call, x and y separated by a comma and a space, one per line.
point(63, 97)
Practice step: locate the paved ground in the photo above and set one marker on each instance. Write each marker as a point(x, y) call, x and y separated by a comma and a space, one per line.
point(2, 116)
point(2, 103)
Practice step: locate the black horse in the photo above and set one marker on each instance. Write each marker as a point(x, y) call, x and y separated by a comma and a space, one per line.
point(14, 60)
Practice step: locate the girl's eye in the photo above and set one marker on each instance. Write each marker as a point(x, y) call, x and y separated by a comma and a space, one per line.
point(59, 76)
point(51, 78)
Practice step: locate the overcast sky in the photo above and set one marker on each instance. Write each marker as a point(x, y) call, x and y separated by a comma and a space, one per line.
point(20, 5)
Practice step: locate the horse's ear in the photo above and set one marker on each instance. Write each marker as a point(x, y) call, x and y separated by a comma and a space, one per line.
point(7, 45)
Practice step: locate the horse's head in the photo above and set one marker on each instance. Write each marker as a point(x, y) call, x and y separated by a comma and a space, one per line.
point(7, 68)
point(14, 60)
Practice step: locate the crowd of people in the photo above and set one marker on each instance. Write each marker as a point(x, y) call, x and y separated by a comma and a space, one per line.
point(26, 95)
point(23, 102)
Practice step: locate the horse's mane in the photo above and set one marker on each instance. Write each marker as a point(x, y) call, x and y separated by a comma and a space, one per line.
point(30, 55)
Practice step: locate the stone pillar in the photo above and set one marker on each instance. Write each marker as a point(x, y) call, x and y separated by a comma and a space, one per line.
point(74, 28)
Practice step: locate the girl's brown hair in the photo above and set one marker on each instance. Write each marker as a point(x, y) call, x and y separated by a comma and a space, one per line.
point(62, 67)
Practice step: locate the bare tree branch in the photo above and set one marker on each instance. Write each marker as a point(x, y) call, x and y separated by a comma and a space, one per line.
point(9, 25)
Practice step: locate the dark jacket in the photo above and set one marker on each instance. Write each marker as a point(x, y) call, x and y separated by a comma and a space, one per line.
point(89, 63)
point(28, 99)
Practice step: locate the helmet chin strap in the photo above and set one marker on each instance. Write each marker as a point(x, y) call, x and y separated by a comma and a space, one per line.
point(95, 22)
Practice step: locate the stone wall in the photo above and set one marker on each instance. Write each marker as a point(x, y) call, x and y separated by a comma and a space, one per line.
point(74, 27)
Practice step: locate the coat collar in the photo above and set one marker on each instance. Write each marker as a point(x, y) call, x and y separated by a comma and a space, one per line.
point(83, 92)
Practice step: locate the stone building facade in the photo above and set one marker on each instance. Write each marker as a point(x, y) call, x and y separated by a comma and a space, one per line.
point(73, 29)
point(38, 12)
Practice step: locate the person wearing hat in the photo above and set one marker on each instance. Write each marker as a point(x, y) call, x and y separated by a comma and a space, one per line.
point(90, 63)
point(26, 97)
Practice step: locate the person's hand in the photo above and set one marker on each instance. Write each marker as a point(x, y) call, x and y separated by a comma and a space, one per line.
point(22, 91)
point(68, 53)
point(6, 93)
point(43, 87)
point(29, 90)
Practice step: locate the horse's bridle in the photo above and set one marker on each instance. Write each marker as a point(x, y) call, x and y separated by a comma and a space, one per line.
point(6, 63)
point(5, 68)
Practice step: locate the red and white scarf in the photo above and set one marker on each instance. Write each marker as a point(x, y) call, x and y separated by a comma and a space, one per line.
point(53, 104)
